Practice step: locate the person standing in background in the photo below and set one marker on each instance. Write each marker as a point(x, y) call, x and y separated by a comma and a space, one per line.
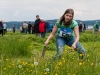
point(1, 27)
point(24, 27)
point(14, 28)
point(96, 27)
point(84, 28)
point(36, 25)
point(32, 28)
point(4, 27)
point(50, 27)
point(21, 29)
point(80, 27)
point(42, 28)
point(29, 28)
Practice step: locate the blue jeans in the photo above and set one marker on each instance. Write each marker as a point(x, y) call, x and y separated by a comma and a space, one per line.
point(43, 34)
point(61, 41)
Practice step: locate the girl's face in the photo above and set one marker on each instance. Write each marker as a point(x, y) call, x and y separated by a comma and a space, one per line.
point(68, 17)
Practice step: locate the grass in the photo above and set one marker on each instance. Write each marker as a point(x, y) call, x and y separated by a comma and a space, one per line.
point(20, 54)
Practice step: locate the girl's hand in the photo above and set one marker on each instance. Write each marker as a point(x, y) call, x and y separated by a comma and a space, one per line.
point(46, 43)
point(73, 46)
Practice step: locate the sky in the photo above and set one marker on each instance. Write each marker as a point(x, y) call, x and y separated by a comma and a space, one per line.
point(26, 10)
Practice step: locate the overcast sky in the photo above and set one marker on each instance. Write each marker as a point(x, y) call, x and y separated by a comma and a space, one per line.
point(26, 10)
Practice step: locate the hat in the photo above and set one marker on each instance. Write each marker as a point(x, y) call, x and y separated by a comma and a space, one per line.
point(42, 18)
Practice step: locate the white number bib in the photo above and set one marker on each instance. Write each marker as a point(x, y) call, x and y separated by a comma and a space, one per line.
point(65, 32)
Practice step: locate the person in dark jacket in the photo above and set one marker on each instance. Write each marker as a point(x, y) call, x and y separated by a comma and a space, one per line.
point(80, 27)
point(14, 28)
point(36, 25)
point(1, 28)
point(29, 27)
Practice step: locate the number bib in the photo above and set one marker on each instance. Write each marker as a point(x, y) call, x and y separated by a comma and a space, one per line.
point(65, 32)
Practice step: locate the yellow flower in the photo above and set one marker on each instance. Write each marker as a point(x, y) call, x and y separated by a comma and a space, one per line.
point(69, 47)
point(60, 63)
point(7, 59)
point(88, 55)
point(56, 74)
point(73, 58)
point(45, 72)
point(12, 64)
point(32, 65)
point(4, 68)
point(88, 60)
point(80, 63)
point(63, 58)
point(81, 54)
point(91, 64)
point(31, 46)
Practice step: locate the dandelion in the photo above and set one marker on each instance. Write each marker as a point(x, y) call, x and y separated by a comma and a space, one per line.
point(4, 68)
point(20, 66)
point(12, 64)
point(65, 50)
point(73, 58)
point(32, 65)
point(47, 69)
point(88, 55)
point(31, 46)
point(87, 60)
point(80, 63)
point(72, 49)
point(69, 47)
point(68, 74)
point(60, 63)
point(35, 63)
point(7, 59)
point(91, 64)
point(56, 74)
point(63, 58)
point(81, 54)
point(45, 72)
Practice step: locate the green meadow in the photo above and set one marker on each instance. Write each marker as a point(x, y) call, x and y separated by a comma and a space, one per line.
point(20, 54)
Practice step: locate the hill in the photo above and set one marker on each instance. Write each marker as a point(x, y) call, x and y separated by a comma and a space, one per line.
point(18, 23)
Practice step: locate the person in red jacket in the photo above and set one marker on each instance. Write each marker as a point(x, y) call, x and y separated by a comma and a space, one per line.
point(42, 28)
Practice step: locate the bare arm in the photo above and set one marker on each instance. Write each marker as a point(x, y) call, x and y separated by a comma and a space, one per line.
point(51, 35)
point(76, 31)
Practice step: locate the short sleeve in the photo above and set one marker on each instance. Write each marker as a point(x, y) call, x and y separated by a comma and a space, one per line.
point(74, 24)
point(57, 24)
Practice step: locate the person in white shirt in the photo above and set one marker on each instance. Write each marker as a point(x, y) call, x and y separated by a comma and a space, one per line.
point(4, 27)
point(24, 27)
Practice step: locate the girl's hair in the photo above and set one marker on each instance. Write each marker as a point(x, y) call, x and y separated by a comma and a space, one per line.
point(62, 18)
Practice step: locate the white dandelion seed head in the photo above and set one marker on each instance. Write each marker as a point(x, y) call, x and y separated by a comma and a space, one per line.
point(35, 63)
point(47, 69)
point(20, 66)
